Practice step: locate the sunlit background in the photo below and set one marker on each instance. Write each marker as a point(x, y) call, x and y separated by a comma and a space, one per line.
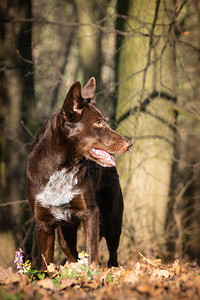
point(145, 56)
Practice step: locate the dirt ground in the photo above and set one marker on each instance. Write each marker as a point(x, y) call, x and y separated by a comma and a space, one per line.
point(147, 279)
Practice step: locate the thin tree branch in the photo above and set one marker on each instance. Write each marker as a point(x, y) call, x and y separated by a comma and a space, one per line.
point(13, 203)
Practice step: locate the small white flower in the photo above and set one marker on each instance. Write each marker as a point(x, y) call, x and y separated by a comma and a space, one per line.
point(83, 258)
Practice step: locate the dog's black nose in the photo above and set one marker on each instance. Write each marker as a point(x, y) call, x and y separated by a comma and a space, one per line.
point(128, 145)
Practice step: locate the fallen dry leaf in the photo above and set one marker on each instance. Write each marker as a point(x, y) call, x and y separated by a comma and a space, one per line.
point(154, 262)
point(65, 283)
point(157, 273)
point(104, 277)
point(176, 268)
point(8, 276)
point(144, 287)
point(51, 268)
point(47, 284)
point(72, 266)
point(138, 270)
point(131, 277)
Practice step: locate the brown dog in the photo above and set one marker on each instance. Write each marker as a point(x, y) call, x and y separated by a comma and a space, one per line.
point(71, 177)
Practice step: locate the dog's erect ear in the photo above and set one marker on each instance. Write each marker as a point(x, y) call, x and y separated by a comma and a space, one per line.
point(73, 101)
point(89, 90)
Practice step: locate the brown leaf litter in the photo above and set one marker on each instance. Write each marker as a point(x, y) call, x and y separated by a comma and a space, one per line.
point(148, 279)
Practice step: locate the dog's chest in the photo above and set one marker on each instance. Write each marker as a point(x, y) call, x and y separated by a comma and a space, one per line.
point(59, 191)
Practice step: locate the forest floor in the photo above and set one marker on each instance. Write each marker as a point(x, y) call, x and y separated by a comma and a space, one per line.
point(147, 279)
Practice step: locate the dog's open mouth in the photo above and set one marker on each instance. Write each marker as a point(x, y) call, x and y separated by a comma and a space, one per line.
point(104, 157)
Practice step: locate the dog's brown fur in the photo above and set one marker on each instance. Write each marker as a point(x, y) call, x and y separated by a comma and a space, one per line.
point(67, 182)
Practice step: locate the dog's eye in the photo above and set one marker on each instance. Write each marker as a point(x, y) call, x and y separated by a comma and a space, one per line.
point(98, 123)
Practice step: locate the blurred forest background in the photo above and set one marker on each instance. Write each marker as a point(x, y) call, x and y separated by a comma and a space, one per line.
point(145, 56)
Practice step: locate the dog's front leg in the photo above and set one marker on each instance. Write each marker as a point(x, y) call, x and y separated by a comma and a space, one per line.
point(46, 239)
point(91, 227)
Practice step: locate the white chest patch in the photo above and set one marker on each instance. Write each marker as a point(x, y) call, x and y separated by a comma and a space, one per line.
point(59, 190)
point(60, 213)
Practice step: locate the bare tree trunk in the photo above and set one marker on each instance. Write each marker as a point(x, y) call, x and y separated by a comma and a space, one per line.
point(89, 39)
point(96, 49)
point(15, 87)
point(146, 95)
point(188, 206)
point(13, 116)
point(51, 45)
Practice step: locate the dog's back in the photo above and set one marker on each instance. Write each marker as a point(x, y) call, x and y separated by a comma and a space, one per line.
point(71, 177)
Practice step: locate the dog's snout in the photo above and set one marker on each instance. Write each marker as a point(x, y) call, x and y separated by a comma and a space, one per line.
point(123, 146)
point(128, 145)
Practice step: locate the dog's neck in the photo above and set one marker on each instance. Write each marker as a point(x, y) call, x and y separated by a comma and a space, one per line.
point(55, 152)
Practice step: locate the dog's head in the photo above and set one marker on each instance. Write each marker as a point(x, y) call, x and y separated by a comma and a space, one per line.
point(87, 129)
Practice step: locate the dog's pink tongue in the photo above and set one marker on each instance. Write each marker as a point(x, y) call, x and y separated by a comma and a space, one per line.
point(104, 156)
